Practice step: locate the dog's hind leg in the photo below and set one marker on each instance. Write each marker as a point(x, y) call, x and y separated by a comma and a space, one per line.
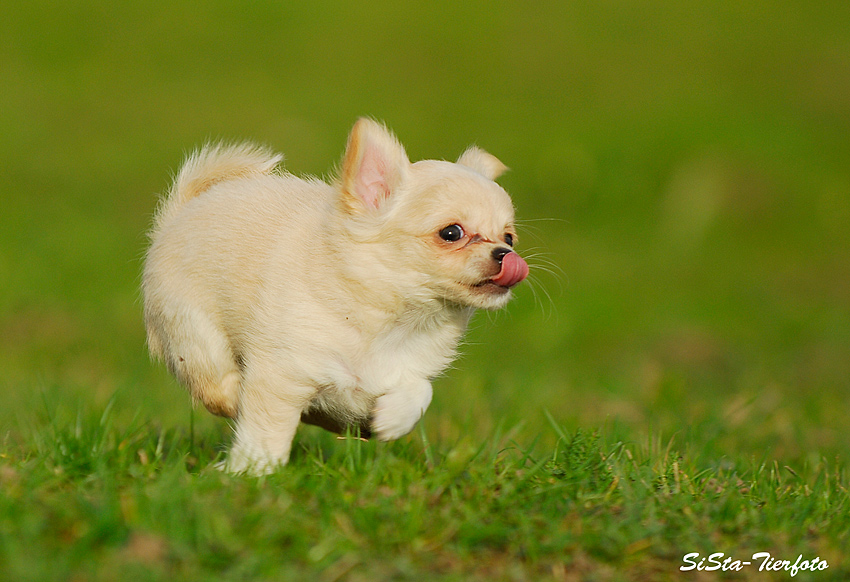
point(200, 356)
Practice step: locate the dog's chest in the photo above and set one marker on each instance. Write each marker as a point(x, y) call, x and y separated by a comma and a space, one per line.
point(394, 359)
point(353, 378)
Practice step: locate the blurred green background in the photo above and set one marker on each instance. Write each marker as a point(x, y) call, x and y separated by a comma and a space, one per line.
point(680, 169)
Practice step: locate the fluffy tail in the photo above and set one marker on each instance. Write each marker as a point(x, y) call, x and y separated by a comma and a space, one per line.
point(208, 166)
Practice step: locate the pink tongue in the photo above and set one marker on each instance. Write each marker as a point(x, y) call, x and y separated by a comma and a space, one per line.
point(514, 270)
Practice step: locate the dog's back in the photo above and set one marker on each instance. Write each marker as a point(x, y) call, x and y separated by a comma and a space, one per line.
point(211, 165)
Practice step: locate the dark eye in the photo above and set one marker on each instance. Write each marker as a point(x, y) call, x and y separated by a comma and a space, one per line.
point(452, 233)
point(509, 239)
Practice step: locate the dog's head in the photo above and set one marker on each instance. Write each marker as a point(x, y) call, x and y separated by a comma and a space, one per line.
point(446, 229)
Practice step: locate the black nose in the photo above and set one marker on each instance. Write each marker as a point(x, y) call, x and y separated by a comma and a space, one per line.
point(499, 253)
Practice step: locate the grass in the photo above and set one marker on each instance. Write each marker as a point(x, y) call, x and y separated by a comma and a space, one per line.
point(673, 379)
point(91, 499)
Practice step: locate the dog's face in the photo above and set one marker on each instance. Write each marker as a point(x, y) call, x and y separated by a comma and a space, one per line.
point(450, 223)
point(463, 224)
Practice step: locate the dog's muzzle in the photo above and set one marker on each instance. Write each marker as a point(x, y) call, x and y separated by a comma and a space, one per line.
point(513, 268)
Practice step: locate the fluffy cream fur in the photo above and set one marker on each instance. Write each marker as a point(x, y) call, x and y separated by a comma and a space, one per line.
point(275, 299)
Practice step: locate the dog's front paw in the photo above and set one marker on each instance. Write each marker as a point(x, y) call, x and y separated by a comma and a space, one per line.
point(397, 412)
point(240, 461)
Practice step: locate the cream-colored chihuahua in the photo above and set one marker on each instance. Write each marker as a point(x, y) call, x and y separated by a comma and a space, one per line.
point(276, 300)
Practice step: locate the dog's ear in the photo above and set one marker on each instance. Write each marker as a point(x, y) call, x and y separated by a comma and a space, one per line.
point(485, 164)
point(373, 167)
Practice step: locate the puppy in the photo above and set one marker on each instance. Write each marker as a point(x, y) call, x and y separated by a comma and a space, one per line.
point(276, 299)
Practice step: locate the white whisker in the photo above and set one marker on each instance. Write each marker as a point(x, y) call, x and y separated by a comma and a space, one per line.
point(541, 262)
